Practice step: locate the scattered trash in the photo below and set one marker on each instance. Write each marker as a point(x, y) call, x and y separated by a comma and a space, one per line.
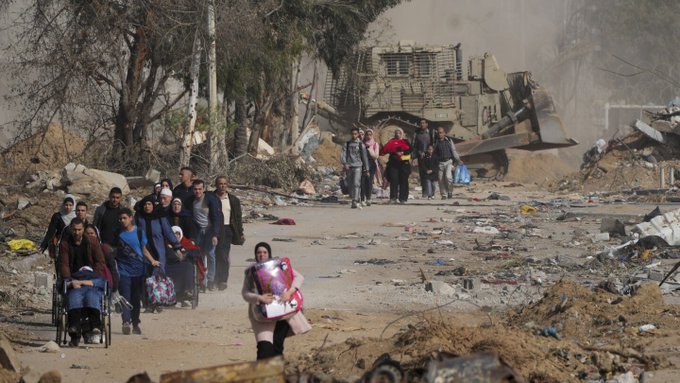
point(613, 226)
point(549, 331)
point(485, 367)
point(284, 221)
point(526, 210)
point(20, 244)
point(50, 346)
point(646, 328)
point(486, 230)
point(283, 239)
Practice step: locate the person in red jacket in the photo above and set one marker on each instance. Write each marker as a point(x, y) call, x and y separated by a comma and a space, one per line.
point(398, 166)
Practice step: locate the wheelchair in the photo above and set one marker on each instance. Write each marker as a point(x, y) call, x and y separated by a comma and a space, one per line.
point(61, 320)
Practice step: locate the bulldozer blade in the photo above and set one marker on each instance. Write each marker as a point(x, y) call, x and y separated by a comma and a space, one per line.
point(552, 133)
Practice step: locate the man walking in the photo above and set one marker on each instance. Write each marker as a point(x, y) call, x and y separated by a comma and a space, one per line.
point(421, 140)
point(106, 217)
point(445, 152)
point(206, 211)
point(231, 232)
point(185, 189)
point(355, 161)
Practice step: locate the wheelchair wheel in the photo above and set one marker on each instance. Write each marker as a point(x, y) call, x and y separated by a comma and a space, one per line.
point(56, 302)
point(61, 328)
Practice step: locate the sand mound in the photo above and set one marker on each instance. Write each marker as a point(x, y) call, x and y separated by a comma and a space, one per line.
point(49, 149)
point(328, 153)
point(536, 167)
point(585, 322)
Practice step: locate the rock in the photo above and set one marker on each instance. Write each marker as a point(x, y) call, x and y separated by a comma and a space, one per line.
point(628, 377)
point(81, 180)
point(23, 203)
point(8, 359)
point(485, 230)
point(50, 346)
point(655, 275)
point(153, 175)
point(53, 376)
point(42, 280)
point(25, 264)
point(440, 288)
point(306, 187)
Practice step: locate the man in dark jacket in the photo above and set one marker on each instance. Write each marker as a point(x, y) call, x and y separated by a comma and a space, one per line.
point(185, 189)
point(231, 232)
point(106, 217)
point(206, 210)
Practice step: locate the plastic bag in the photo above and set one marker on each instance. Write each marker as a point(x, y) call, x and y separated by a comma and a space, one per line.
point(461, 175)
point(18, 244)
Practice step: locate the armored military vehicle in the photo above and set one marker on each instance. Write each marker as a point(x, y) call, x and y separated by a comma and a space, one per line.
point(483, 108)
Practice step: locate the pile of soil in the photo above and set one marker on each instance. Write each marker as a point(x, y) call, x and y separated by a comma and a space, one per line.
point(535, 167)
point(328, 153)
point(49, 149)
point(592, 327)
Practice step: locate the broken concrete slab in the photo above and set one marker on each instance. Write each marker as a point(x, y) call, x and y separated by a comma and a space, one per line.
point(665, 226)
point(440, 288)
point(82, 180)
point(613, 226)
point(8, 359)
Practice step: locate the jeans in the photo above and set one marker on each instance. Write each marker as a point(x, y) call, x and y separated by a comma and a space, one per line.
point(86, 296)
point(354, 183)
point(222, 260)
point(428, 187)
point(131, 288)
point(445, 177)
point(204, 241)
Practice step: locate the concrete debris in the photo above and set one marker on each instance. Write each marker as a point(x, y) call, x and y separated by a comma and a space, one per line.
point(50, 346)
point(665, 226)
point(306, 187)
point(81, 180)
point(53, 376)
point(8, 359)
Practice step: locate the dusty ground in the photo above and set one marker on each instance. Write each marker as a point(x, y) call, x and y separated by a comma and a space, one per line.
point(365, 295)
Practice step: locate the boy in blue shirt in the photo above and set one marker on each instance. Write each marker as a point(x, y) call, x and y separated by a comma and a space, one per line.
point(131, 256)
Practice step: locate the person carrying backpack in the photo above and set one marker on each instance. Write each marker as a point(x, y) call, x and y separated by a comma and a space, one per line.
point(445, 152)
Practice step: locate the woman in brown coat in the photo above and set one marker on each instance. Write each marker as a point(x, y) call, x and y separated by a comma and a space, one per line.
point(270, 335)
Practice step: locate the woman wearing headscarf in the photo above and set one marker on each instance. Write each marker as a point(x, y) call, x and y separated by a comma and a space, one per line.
point(178, 216)
point(270, 335)
point(157, 229)
point(59, 221)
point(398, 166)
point(181, 269)
point(373, 151)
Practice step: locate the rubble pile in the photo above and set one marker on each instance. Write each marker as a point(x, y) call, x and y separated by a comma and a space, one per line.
point(589, 337)
point(43, 151)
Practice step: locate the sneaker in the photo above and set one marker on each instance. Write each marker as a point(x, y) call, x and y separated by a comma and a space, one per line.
point(149, 310)
point(159, 309)
point(222, 286)
point(449, 196)
point(354, 204)
point(186, 304)
point(443, 196)
point(368, 203)
point(95, 336)
point(126, 328)
point(136, 330)
point(393, 201)
point(402, 202)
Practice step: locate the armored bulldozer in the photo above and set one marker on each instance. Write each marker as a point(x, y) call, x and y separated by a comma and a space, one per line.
point(484, 109)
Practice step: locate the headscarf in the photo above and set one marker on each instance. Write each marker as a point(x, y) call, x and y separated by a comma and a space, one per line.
point(369, 141)
point(266, 246)
point(177, 229)
point(399, 130)
point(168, 180)
point(67, 217)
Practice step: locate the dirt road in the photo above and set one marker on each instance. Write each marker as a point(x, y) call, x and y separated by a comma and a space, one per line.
point(363, 269)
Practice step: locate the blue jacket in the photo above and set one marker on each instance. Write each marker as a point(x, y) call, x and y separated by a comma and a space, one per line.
point(215, 219)
point(160, 232)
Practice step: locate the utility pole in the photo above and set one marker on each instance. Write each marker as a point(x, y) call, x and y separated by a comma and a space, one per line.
point(212, 84)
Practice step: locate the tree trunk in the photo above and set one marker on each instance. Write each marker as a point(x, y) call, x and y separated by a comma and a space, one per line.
point(214, 137)
point(187, 144)
point(311, 94)
point(241, 133)
point(127, 112)
point(294, 107)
